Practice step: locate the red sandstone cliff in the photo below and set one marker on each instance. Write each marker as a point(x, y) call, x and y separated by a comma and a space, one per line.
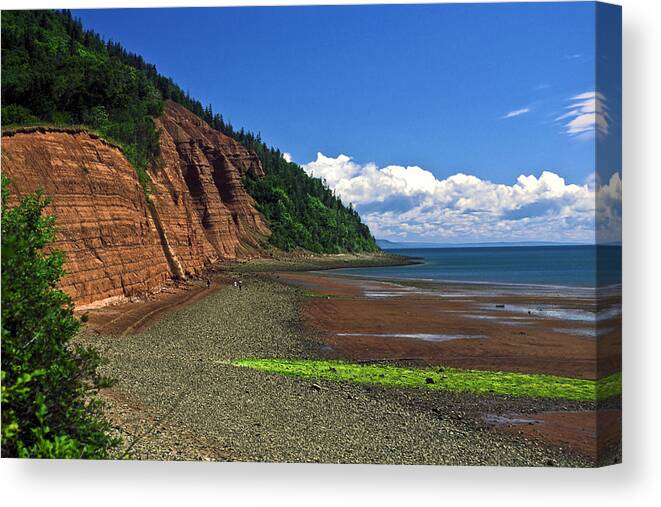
point(198, 193)
point(117, 244)
point(105, 230)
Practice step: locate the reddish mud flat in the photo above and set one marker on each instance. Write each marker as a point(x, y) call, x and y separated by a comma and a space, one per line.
point(589, 432)
point(463, 326)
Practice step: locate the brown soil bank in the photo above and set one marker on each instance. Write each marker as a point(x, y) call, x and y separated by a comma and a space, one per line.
point(116, 243)
point(136, 316)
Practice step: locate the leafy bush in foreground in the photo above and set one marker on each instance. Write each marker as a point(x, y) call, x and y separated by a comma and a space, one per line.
point(48, 407)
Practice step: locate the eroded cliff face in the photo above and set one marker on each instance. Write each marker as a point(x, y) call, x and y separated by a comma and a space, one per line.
point(117, 243)
point(106, 232)
point(198, 192)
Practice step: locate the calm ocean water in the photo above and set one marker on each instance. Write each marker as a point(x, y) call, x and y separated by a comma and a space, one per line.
point(569, 266)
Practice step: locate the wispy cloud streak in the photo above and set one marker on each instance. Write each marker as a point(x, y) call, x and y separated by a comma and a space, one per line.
point(587, 115)
point(517, 112)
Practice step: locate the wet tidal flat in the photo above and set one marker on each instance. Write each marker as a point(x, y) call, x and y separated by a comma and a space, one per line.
point(556, 331)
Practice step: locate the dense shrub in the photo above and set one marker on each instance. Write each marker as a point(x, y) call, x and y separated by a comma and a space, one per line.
point(48, 404)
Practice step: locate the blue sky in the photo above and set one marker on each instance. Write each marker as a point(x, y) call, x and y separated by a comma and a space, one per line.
point(482, 90)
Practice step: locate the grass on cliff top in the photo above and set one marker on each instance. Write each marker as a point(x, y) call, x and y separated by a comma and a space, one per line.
point(446, 379)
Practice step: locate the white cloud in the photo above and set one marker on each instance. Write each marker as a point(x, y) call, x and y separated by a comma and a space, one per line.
point(333, 170)
point(410, 202)
point(287, 156)
point(517, 112)
point(587, 114)
point(609, 210)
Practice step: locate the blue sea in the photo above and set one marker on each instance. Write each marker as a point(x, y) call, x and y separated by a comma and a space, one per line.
point(585, 266)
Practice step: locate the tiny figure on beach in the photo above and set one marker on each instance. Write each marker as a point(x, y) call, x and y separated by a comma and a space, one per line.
point(236, 284)
point(208, 283)
point(240, 285)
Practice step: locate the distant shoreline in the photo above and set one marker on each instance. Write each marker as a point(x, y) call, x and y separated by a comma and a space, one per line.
point(531, 244)
point(319, 262)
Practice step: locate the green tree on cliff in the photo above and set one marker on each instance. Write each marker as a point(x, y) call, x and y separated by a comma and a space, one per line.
point(48, 407)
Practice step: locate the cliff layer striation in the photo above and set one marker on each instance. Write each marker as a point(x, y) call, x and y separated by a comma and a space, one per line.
point(119, 243)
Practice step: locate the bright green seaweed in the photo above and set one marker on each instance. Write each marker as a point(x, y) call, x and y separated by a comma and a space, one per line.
point(447, 379)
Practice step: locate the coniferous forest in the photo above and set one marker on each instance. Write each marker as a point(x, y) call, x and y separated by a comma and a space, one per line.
point(54, 72)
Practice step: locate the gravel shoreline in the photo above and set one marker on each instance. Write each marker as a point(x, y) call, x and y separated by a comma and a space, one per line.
point(177, 398)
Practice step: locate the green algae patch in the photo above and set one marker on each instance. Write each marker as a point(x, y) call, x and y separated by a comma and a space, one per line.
point(444, 379)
